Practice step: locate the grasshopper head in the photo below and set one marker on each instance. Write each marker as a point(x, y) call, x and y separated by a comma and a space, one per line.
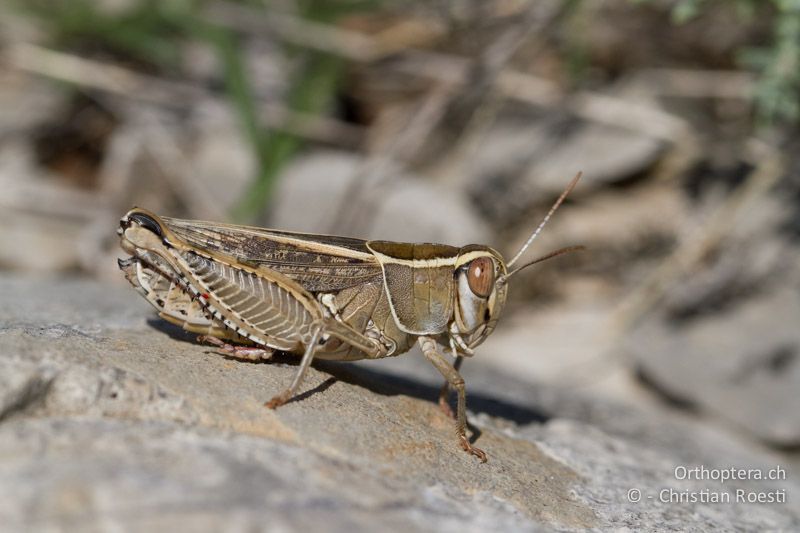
point(480, 295)
point(482, 283)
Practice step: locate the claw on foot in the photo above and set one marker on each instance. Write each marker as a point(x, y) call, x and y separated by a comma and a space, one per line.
point(472, 450)
point(277, 401)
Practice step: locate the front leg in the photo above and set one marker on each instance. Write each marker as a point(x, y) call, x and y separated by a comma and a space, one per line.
point(455, 380)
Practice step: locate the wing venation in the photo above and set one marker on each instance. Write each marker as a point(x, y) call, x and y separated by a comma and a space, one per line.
point(316, 262)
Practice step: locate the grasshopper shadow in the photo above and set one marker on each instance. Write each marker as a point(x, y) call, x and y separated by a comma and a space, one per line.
point(173, 331)
point(384, 383)
point(391, 385)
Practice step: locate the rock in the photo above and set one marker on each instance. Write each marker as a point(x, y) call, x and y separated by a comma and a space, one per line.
point(40, 219)
point(110, 419)
point(506, 184)
point(309, 198)
point(625, 237)
point(221, 158)
point(25, 103)
point(741, 363)
point(724, 338)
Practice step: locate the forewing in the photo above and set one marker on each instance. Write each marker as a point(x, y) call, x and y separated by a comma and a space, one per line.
point(316, 262)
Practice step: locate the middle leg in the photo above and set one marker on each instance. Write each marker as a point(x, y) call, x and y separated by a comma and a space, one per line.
point(288, 393)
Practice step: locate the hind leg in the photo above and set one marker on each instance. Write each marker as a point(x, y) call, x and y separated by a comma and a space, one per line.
point(249, 353)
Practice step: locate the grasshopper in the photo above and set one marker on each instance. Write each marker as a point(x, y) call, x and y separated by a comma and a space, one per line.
point(253, 291)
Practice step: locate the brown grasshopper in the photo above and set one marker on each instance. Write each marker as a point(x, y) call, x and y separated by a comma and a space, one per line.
point(254, 291)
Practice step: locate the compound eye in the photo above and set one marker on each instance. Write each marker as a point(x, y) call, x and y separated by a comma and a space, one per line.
point(480, 276)
point(147, 223)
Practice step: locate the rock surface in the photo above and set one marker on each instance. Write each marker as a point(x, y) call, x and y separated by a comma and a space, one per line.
point(750, 378)
point(401, 207)
point(109, 419)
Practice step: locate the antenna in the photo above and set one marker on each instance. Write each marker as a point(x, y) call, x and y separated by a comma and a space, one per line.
point(560, 251)
point(546, 218)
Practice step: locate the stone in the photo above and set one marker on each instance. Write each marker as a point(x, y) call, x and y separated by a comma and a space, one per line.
point(221, 158)
point(527, 163)
point(112, 419)
point(741, 364)
point(310, 198)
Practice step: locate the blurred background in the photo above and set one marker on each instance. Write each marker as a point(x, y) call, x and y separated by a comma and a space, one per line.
point(455, 122)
